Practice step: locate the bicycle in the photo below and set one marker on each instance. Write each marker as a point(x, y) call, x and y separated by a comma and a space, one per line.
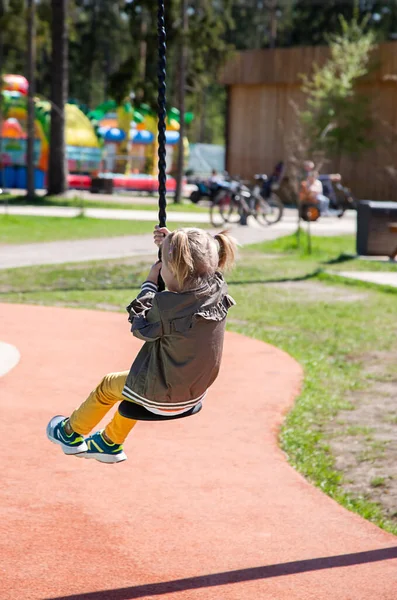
point(266, 206)
point(237, 199)
point(225, 202)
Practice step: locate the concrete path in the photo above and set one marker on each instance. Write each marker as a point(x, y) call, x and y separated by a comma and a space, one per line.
point(19, 255)
point(381, 278)
point(53, 253)
point(324, 226)
point(23, 255)
point(118, 197)
point(105, 213)
point(206, 508)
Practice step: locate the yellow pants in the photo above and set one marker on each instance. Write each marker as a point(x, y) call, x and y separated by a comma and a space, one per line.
point(99, 402)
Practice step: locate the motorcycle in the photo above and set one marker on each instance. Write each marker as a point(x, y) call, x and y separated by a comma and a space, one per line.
point(203, 191)
point(340, 197)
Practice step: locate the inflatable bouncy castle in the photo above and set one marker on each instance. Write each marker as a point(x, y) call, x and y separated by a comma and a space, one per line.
point(117, 142)
point(130, 144)
point(83, 148)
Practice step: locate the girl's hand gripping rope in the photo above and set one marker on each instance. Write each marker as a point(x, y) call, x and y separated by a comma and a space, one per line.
point(160, 234)
point(154, 272)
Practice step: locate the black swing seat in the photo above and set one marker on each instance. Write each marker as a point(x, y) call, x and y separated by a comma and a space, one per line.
point(131, 410)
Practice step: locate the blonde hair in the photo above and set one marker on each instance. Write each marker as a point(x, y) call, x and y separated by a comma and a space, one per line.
point(193, 255)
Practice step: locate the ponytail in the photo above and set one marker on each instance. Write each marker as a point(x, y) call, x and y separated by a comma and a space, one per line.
point(180, 256)
point(193, 255)
point(227, 250)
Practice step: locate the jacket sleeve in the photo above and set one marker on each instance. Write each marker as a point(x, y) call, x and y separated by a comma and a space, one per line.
point(144, 315)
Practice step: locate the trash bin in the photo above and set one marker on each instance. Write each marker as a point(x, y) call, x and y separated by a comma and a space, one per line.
point(101, 185)
point(374, 236)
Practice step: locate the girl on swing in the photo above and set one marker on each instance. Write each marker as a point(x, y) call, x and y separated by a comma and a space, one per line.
point(183, 328)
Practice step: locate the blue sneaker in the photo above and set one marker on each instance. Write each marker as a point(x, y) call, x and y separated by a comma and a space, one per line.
point(101, 450)
point(70, 444)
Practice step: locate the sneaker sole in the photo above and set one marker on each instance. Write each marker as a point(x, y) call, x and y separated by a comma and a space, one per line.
point(70, 451)
point(106, 458)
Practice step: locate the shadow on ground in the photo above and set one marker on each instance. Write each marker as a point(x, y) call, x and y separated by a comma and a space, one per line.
point(342, 258)
point(239, 576)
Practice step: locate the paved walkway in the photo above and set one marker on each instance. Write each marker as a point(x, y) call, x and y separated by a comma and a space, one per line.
point(379, 277)
point(105, 213)
point(325, 225)
point(118, 197)
point(205, 508)
point(19, 255)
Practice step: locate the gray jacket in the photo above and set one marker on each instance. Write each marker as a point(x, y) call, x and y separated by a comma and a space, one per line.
point(184, 341)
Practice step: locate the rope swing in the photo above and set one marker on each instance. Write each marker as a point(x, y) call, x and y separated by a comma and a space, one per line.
point(127, 408)
point(162, 113)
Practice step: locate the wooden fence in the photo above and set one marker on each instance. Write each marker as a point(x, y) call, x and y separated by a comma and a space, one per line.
point(263, 84)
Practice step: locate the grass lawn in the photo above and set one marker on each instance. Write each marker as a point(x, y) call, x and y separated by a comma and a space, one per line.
point(328, 326)
point(17, 229)
point(332, 254)
point(92, 202)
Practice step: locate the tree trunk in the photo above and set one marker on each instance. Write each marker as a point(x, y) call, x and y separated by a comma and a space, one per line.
point(181, 97)
point(143, 45)
point(203, 116)
point(227, 128)
point(30, 72)
point(57, 172)
point(94, 9)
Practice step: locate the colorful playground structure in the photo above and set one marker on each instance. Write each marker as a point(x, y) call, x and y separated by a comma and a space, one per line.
point(110, 142)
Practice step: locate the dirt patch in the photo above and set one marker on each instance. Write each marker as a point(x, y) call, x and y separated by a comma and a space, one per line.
point(363, 441)
point(316, 291)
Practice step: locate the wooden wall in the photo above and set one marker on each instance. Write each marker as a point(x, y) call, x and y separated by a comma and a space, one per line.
point(261, 86)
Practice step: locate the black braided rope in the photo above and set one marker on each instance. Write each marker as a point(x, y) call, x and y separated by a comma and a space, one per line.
point(162, 114)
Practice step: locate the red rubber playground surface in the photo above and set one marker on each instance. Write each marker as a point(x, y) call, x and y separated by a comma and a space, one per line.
point(205, 508)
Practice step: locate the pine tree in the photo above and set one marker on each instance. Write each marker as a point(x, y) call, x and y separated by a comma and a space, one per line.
point(57, 171)
point(30, 71)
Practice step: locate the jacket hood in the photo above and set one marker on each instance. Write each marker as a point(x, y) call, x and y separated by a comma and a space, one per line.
point(203, 299)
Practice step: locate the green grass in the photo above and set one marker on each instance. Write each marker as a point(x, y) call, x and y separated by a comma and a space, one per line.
point(332, 254)
point(357, 430)
point(277, 303)
point(105, 277)
point(323, 248)
point(92, 202)
point(16, 229)
point(378, 482)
